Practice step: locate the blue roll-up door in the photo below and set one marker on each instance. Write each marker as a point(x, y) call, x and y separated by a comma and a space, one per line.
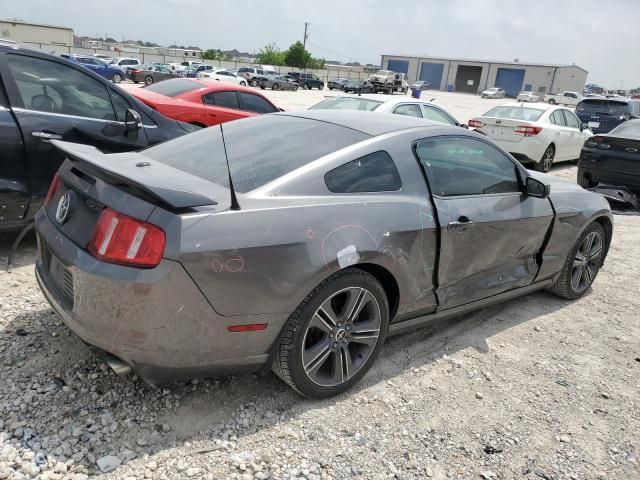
point(432, 73)
point(398, 66)
point(510, 80)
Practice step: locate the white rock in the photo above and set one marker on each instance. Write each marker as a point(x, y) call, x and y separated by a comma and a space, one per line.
point(108, 463)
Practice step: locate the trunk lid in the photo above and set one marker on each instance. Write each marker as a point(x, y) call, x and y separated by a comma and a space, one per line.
point(502, 129)
point(146, 178)
point(623, 156)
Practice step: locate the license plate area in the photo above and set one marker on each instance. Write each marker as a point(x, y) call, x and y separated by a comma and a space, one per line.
point(594, 124)
point(62, 279)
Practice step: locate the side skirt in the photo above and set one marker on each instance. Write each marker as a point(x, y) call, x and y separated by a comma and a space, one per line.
point(412, 323)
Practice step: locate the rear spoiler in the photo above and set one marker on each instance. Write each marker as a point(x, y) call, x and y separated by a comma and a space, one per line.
point(167, 185)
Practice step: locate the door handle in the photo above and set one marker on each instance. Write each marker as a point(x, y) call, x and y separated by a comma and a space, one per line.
point(461, 224)
point(45, 136)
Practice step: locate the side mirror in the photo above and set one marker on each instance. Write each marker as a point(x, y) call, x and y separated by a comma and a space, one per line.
point(584, 126)
point(536, 188)
point(132, 121)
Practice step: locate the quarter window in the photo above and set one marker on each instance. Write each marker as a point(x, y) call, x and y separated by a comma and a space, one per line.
point(558, 119)
point(457, 166)
point(410, 110)
point(375, 172)
point(48, 86)
point(254, 103)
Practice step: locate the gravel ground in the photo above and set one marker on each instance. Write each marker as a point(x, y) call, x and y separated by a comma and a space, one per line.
point(538, 387)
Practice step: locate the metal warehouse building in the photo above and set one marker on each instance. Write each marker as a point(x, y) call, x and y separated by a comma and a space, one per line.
point(473, 76)
point(20, 31)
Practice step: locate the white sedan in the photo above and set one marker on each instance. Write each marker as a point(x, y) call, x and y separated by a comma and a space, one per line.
point(223, 76)
point(527, 97)
point(400, 105)
point(494, 92)
point(535, 134)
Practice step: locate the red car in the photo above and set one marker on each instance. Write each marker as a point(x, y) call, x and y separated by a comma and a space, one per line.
point(203, 102)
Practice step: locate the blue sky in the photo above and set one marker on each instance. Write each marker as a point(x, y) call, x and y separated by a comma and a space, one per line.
point(601, 39)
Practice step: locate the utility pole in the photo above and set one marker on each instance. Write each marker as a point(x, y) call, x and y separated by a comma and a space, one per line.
point(304, 42)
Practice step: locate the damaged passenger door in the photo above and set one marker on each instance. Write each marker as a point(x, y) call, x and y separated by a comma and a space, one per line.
point(490, 231)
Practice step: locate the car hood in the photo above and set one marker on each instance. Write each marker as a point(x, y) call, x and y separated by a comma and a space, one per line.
point(556, 183)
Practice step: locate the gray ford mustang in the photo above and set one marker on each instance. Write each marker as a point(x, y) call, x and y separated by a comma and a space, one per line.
point(299, 242)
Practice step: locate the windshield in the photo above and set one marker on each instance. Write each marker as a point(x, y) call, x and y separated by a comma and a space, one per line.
point(347, 103)
point(260, 149)
point(602, 107)
point(515, 113)
point(175, 87)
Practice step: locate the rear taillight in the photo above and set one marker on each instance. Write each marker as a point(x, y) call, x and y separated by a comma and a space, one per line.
point(527, 131)
point(118, 238)
point(53, 188)
point(598, 142)
point(135, 70)
point(476, 124)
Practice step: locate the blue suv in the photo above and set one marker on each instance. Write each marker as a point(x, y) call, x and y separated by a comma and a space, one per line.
point(604, 114)
point(102, 68)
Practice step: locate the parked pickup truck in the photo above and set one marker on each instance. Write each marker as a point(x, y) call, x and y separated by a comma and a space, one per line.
point(44, 98)
point(564, 98)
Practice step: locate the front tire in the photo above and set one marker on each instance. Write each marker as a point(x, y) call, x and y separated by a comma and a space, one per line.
point(254, 83)
point(275, 86)
point(334, 336)
point(243, 83)
point(305, 86)
point(582, 265)
point(295, 88)
point(552, 101)
point(544, 165)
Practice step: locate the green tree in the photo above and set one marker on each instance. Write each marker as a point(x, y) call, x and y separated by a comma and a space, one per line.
point(271, 55)
point(214, 54)
point(297, 56)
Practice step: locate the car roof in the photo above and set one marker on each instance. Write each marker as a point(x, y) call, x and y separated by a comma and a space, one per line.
point(386, 99)
point(537, 106)
point(371, 123)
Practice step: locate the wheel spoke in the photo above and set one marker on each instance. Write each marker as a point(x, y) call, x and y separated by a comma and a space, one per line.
point(320, 323)
point(588, 243)
point(314, 357)
point(595, 253)
point(576, 276)
point(588, 274)
point(327, 314)
point(357, 300)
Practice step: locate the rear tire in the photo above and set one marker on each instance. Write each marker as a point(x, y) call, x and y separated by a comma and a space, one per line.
point(116, 78)
point(254, 83)
point(324, 348)
point(295, 88)
point(544, 165)
point(148, 80)
point(243, 83)
point(305, 86)
point(275, 86)
point(582, 264)
point(552, 101)
point(321, 86)
point(585, 181)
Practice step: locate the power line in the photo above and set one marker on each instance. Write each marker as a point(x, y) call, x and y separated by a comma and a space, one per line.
point(332, 52)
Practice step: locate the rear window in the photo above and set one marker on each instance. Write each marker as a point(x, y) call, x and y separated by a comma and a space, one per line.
point(515, 113)
point(627, 130)
point(602, 107)
point(347, 103)
point(260, 149)
point(175, 87)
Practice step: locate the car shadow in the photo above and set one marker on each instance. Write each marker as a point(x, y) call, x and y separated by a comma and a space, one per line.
point(24, 255)
point(45, 352)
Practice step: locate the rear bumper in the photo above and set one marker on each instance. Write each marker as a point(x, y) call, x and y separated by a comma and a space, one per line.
point(529, 150)
point(156, 320)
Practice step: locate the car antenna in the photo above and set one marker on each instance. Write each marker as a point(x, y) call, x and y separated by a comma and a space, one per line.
point(234, 200)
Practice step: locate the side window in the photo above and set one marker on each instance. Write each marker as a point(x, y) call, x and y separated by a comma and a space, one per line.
point(120, 104)
point(375, 172)
point(558, 119)
point(222, 99)
point(437, 115)
point(49, 86)
point(458, 166)
point(410, 110)
point(254, 103)
point(571, 119)
point(570, 95)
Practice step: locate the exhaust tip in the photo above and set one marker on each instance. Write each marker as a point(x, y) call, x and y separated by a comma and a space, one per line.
point(118, 366)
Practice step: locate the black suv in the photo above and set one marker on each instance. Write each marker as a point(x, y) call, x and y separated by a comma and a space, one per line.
point(307, 80)
point(44, 98)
